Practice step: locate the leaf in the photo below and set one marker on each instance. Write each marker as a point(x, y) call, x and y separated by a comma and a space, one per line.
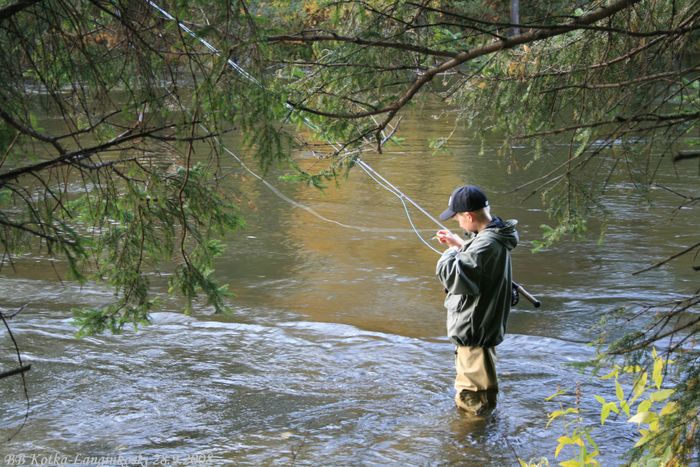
point(556, 394)
point(571, 463)
point(619, 392)
point(644, 406)
point(654, 425)
point(589, 459)
point(606, 409)
point(646, 436)
point(640, 418)
point(558, 413)
point(661, 395)
point(592, 442)
point(668, 409)
point(567, 441)
point(604, 413)
point(657, 374)
point(625, 406)
point(640, 385)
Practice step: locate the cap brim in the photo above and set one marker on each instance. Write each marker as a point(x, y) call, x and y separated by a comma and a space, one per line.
point(447, 214)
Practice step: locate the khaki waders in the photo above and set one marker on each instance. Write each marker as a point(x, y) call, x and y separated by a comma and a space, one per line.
point(476, 381)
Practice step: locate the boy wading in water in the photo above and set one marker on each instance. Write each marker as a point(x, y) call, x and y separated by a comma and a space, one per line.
point(476, 275)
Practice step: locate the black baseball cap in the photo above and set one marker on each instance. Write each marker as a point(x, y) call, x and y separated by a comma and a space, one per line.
point(466, 198)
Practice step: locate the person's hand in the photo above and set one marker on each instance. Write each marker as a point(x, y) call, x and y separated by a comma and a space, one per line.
point(448, 238)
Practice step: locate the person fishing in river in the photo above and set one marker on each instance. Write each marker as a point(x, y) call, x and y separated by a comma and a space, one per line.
point(476, 275)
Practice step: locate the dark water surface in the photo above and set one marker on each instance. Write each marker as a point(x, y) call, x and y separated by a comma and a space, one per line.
point(336, 353)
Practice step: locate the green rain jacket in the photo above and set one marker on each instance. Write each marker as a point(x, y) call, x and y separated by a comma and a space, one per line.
point(477, 279)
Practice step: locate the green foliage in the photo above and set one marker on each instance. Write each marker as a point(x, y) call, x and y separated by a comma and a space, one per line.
point(663, 420)
point(567, 227)
point(318, 180)
point(7, 135)
point(124, 187)
point(578, 435)
point(144, 224)
point(437, 144)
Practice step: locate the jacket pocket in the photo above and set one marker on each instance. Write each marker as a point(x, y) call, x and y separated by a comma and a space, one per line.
point(453, 303)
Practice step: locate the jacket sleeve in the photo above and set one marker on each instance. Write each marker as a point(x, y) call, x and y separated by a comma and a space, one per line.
point(459, 272)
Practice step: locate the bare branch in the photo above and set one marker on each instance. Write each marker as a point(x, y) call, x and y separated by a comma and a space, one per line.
point(670, 258)
point(683, 155)
point(642, 79)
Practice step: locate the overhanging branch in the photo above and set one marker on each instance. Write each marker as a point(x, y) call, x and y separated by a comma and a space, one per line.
point(304, 37)
point(73, 157)
point(498, 24)
point(11, 10)
point(683, 155)
point(462, 57)
point(528, 37)
point(670, 258)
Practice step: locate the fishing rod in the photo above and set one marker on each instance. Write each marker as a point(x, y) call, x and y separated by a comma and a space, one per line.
point(518, 288)
point(521, 290)
point(383, 182)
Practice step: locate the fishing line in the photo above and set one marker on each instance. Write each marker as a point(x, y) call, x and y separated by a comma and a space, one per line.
point(420, 237)
point(386, 184)
point(299, 205)
point(399, 194)
point(366, 166)
point(367, 169)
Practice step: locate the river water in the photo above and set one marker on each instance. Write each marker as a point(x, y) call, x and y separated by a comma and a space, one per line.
point(335, 353)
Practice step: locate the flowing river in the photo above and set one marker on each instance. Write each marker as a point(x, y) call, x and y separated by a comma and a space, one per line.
point(335, 352)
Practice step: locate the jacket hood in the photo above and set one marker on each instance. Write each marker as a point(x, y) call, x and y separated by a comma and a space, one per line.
point(503, 231)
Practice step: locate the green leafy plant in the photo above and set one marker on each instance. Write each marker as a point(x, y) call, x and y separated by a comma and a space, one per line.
point(643, 399)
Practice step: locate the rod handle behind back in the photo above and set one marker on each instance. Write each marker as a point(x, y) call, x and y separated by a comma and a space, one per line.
point(521, 290)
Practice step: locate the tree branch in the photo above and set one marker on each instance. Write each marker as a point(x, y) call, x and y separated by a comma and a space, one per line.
point(80, 154)
point(531, 36)
point(34, 232)
point(461, 57)
point(30, 131)
point(670, 258)
point(70, 157)
point(496, 24)
point(11, 10)
point(304, 37)
point(683, 155)
point(658, 336)
point(618, 119)
point(643, 79)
